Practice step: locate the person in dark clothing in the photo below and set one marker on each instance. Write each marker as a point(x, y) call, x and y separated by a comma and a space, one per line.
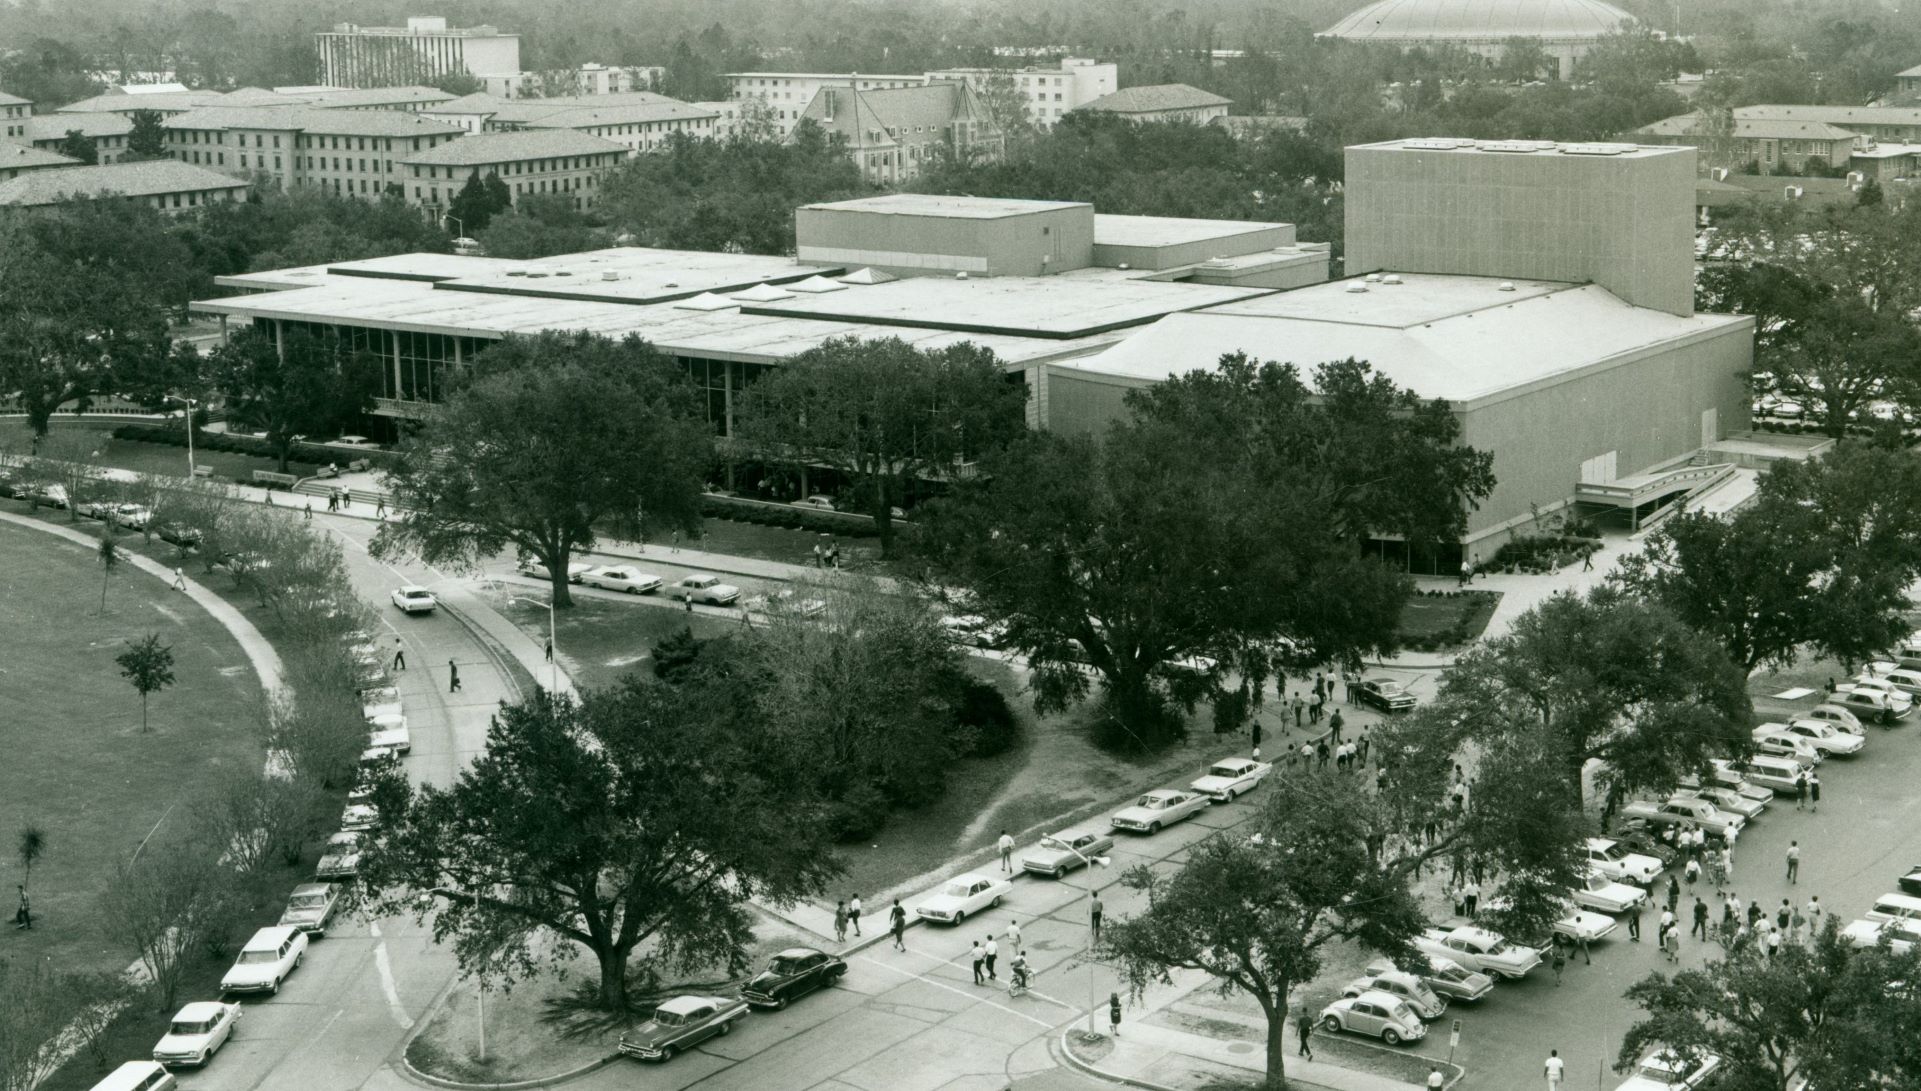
point(453, 677)
point(1634, 923)
point(897, 917)
point(1755, 913)
point(1320, 753)
point(1700, 920)
point(1257, 734)
point(400, 654)
point(1304, 1027)
point(23, 916)
point(1114, 1014)
point(1674, 893)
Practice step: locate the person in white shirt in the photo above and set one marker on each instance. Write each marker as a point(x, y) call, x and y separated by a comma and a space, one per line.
point(1555, 1070)
point(1007, 851)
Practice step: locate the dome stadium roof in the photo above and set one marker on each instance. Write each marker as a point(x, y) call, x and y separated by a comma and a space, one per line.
point(1441, 20)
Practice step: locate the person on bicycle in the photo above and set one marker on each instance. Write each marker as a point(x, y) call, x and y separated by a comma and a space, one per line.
point(1020, 969)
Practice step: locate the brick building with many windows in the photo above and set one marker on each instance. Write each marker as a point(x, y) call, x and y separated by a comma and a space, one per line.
point(350, 152)
point(532, 162)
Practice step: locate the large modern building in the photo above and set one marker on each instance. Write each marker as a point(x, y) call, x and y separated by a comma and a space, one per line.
point(425, 49)
point(639, 120)
point(1564, 29)
point(1047, 93)
point(164, 184)
point(893, 132)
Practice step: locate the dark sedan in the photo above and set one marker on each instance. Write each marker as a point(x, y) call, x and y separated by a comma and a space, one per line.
point(681, 1024)
point(792, 974)
point(1384, 694)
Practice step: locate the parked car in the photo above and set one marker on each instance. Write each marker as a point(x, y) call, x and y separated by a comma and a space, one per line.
point(358, 817)
point(179, 534)
point(1727, 799)
point(1608, 896)
point(414, 600)
point(1899, 701)
point(380, 701)
point(1480, 950)
point(1774, 772)
point(621, 577)
point(96, 509)
point(701, 587)
point(973, 630)
point(1721, 774)
point(197, 1033)
point(132, 516)
point(1825, 738)
point(1581, 924)
point(1641, 839)
point(311, 908)
point(1872, 706)
point(1399, 983)
point(266, 961)
point(1446, 977)
point(1679, 811)
point(1905, 679)
point(792, 974)
point(1836, 715)
point(1380, 1015)
point(1231, 777)
point(1768, 740)
point(1053, 856)
point(340, 859)
point(1385, 694)
point(817, 502)
point(957, 898)
point(681, 1024)
point(1156, 809)
point(389, 731)
point(1668, 1070)
point(53, 496)
point(1911, 882)
point(1903, 933)
point(527, 566)
point(138, 1076)
point(1614, 860)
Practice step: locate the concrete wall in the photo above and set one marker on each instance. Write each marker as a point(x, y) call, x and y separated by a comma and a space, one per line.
point(1648, 410)
point(1076, 403)
point(1624, 222)
point(1253, 241)
point(907, 244)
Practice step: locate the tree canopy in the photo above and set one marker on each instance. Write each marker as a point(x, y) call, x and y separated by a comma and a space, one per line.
point(554, 435)
point(291, 383)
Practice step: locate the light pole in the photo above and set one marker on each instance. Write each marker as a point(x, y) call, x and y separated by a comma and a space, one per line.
point(553, 664)
point(1093, 988)
point(190, 406)
point(459, 226)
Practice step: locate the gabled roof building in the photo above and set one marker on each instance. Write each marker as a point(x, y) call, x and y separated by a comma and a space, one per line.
point(893, 132)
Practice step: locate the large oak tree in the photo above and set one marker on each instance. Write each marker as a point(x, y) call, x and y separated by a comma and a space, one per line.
point(291, 384)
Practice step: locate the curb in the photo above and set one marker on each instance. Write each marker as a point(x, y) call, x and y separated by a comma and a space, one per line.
point(410, 1072)
point(1087, 1067)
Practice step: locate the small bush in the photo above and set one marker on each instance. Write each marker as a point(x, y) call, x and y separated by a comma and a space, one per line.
point(982, 709)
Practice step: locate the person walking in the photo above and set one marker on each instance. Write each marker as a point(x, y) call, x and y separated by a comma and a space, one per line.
point(333, 503)
point(1755, 913)
point(979, 961)
point(1700, 920)
point(897, 919)
point(23, 916)
point(1814, 791)
point(1668, 924)
point(1334, 723)
point(1555, 1070)
point(550, 650)
point(1673, 947)
point(993, 952)
point(1013, 935)
point(1006, 846)
point(453, 677)
point(1257, 734)
point(1580, 948)
point(1304, 1029)
point(1800, 791)
point(380, 506)
point(1784, 915)
point(840, 924)
point(1094, 916)
point(1471, 896)
point(1114, 1014)
point(307, 516)
point(400, 654)
point(1435, 1081)
point(1634, 922)
point(1674, 893)
point(1728, 916)
point(179, 579)
point(1300, 710)
point(1558, 959)
point(1794, 865)
point(1814, 915)
point(853, 914)
point(1321, 755)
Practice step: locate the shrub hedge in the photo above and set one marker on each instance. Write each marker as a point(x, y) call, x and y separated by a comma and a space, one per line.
point(311, 453)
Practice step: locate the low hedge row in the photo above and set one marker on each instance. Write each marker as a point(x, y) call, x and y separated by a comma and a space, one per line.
point(310, 453)
point(786, 515)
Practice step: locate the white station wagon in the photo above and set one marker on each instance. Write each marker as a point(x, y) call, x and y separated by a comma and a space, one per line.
point(267, 960)
point(1232, 777)
point(959, 897)
point(197, 1033)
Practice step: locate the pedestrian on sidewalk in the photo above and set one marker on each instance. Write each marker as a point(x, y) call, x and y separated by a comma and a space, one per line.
point(1336, 722)
point(1257, 735)
point(853, 915)
point(346, 500)
point(380, 507)
point(1114, 1014)
point(1320, 753)
point(1800, 791)
point(333, 503)
point(1587, 565)
point(1634, 922)
point(1333, 725)
point(307, 517)
point(1013, 935)
point(1006, 845)
point(897, 918)
point(1467, 573)
point(1814, 915)
point(1674, 893)
point(1814, 791)
point(1784, 916)
point(1673, 947)
point(840, 929)
point(1300, 710)
point(1556, 1068)
point(993, 952)
point(1794, 864)
point(400, 654)
point(453, 677)
point(1700, 920)
point(1435, 1080)
point(1094, 916)
point(673, 545)
point(23, 916)
point(550, 650)
point(979, 960)
point(179, 579)
point(1580, 947)
point(1729, 916)
point(1471, 896)
point(1304, 1028)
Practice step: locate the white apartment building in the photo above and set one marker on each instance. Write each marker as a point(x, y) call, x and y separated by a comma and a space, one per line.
point(14, 112)
point(1049, 92)
point(426, 48)
point(788, 93)
point(588, 79)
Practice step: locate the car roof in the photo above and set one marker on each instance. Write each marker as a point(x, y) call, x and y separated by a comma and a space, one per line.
point(200, 1009)
point(312, 888)
point(413, 589)
point(970, 877)
point(797, 952)
point(1377, 996)
point(270, 937)
point(682, 1005)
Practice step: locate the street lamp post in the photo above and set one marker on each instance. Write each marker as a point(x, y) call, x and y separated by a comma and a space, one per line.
point(1093, 988)
point(190, 407)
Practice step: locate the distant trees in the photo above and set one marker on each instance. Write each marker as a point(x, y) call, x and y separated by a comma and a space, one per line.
point(554, 436)
point(885, 414)
point(1208, 540)
point(290, 383)
point(78, 145)
point(148, 665)
point(540, 225)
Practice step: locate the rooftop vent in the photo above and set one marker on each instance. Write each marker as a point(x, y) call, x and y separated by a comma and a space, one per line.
point(1504, 286)
point(1719, 174)
point(1791, 192)
point(1356, 289)
point(1372, 278)
point(610, 275)
point(762, 293)
point(1597, 149)
point(1516, 145)
point(705, 301)
point(1437, 144)
point(962, 275)
point(1391, 278)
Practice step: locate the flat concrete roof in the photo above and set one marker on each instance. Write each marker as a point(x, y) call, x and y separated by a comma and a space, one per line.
point(1564, 149)
point(1436, 349)
point(641, 275)
point(1082, 303)
point(957, 208)
point(417, 266)
point(1420, 297)
point(1112, 230)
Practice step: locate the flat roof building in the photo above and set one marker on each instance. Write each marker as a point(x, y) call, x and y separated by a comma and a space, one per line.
point(425, 49)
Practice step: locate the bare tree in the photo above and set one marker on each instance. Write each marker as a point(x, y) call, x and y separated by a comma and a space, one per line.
point(258, 824)
point(46, 1016)
point(169, 906)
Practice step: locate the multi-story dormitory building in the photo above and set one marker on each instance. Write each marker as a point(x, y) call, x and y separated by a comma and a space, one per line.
point(355, 152)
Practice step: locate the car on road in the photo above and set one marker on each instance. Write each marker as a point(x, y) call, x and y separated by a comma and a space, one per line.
point(1613, 860)
point(1063, 852)
point(1668, 1070)
point(1480, 950)
point(792, 974)
point(1677, 811)
point(1723, 775)
point(1232, 777)
point(973, 630)
point(527, 566)
point(1157, 809)
point(1446, 977)
point(266, 961)
point(620, 577)
point(1399, 983)
point(340, 859)
point(817, 502)
point(957, 898)
point(1608, 896)
point(1840, 717)
point(1385, 694)
point(179, 534)
point(1727, 799)
point(1911, 882)
point(389, 730)
point(703, 588)
point(414, 600)
point(681, 1024)
point(1769, 740)
point(1381, 1015)
point(311, 908)
point(197, 1033)
point(1826, 738)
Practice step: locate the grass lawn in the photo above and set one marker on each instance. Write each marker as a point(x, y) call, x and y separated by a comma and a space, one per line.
point(1433, 615)
point(787, 544)
point(77, 763)
point(148, 458)
point(599, 642)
